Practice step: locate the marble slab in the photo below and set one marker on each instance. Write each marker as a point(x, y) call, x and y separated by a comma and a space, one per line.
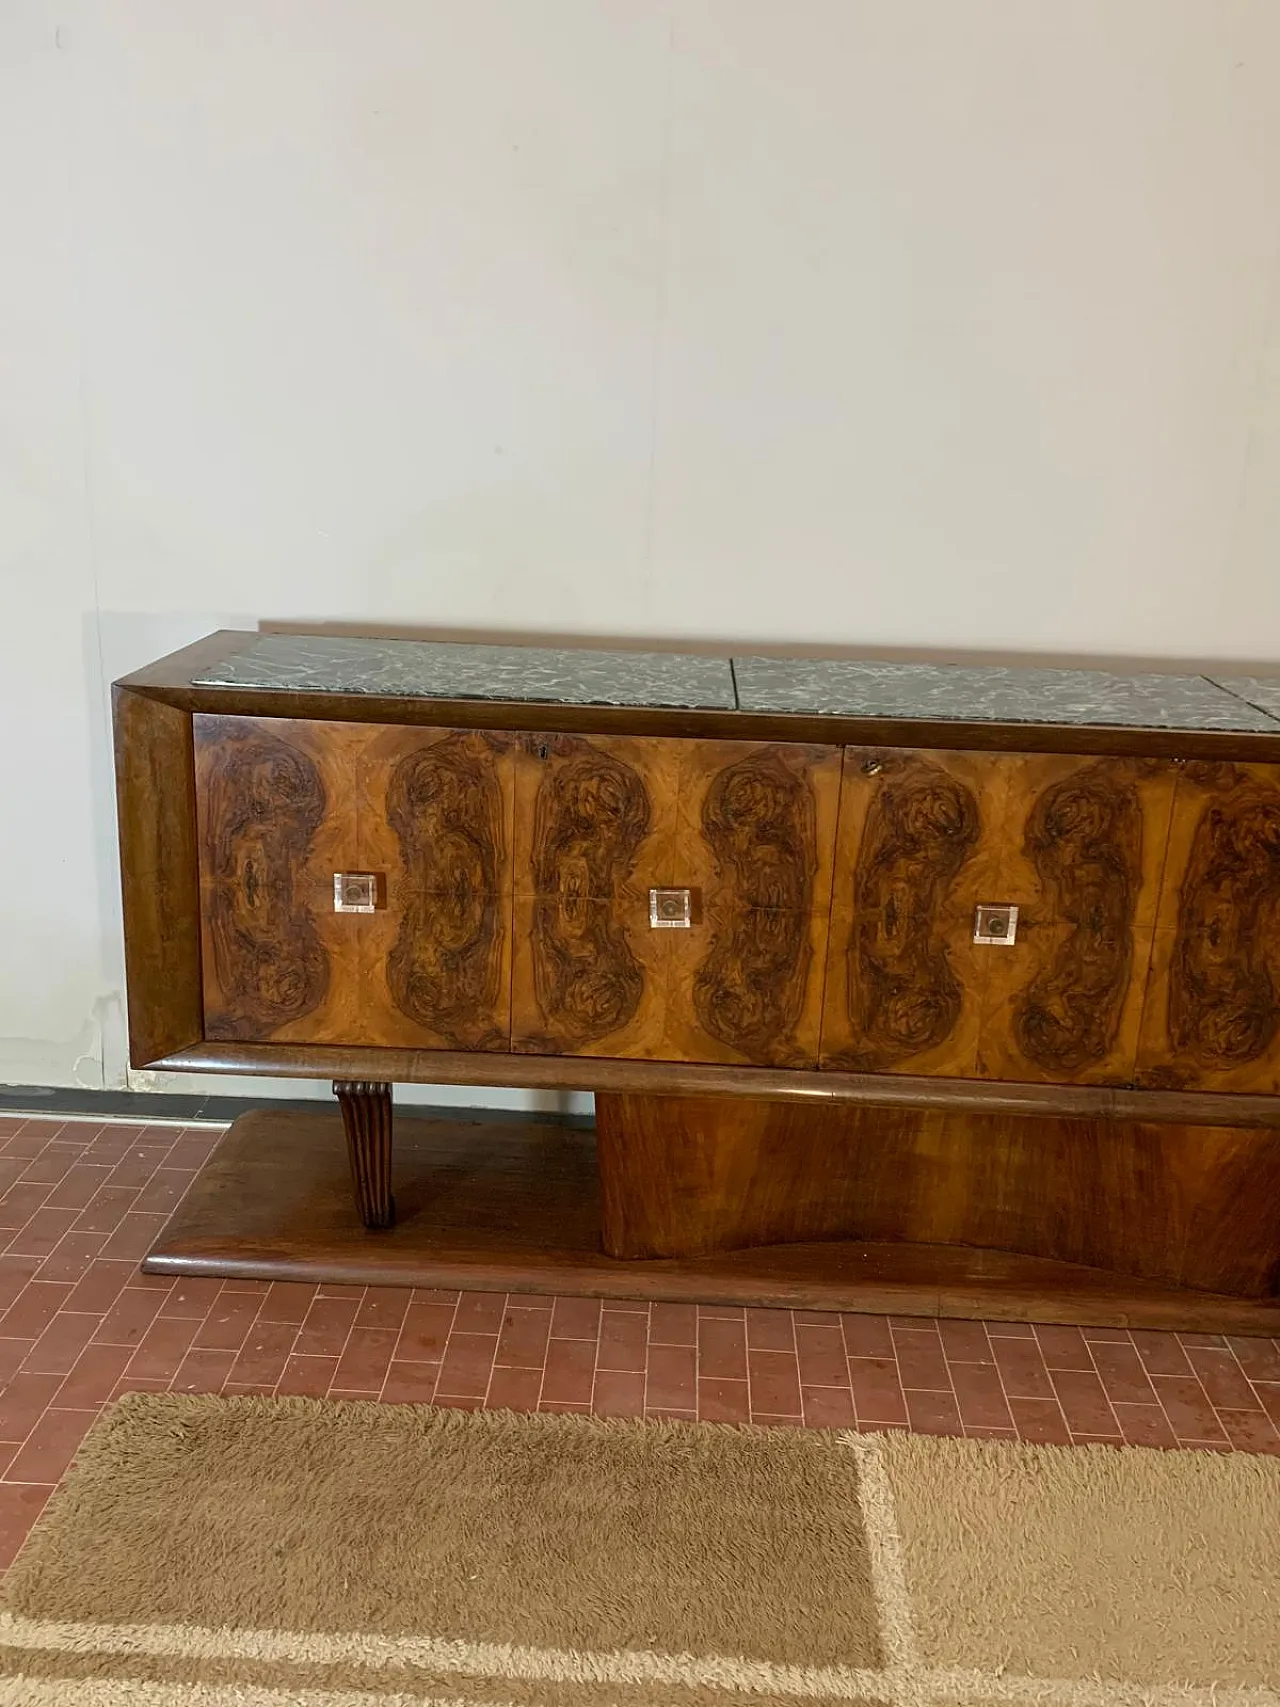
point(960, 693)
point(1262, 692)
point(425, 669)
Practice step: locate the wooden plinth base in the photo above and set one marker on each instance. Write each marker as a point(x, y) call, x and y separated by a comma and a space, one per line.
point(513, 1206)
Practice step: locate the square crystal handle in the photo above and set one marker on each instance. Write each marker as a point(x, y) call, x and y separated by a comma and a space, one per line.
point(670, 909)
point(996, 924)
point(355, 892)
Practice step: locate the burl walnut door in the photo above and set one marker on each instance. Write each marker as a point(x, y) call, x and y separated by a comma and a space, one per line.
point(1075, 844)
point(417, 820)
point(1212, 1016)
point(671, 898)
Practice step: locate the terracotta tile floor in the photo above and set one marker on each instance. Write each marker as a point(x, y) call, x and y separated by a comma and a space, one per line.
point(79, 1324)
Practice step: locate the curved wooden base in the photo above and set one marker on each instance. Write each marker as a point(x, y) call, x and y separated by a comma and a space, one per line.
point(1195, 1206)
point(366, 1119)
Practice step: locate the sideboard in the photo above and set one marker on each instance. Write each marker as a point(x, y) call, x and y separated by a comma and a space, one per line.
point(944, 990)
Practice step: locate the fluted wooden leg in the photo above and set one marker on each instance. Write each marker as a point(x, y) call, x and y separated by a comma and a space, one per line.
point(366, 1116)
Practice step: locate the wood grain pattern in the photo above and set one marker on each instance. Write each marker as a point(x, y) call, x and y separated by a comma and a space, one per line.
point(155, 806)
point(748, 830)
point(261, 801)
point(513, 1207)
point(366, 1121)
point(1080, 850)
point(904, 982)
point(1195, 1206)
point(445, 972)
point(1213, 1007)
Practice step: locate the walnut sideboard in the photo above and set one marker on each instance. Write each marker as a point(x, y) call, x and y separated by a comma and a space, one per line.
point(939, 990)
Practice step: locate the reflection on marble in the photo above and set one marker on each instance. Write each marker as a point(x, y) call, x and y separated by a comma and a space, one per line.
point(1262, 692)
point(427, 669)
point(961, 693)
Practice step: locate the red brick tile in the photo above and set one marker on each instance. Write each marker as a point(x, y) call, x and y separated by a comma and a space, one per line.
point(723, 1401)
point(43, 1233)
point(1084, 1402)
point(721, 1313)
point(722, 1349)
point(1269, 1394)
point(286, 1301)
point(922, 1324)
point(13, 1354)
point(51, 1446)
point(575, 1318)
point(262, 1357)
point(867, 1336)
point(1260, 1359)
point(165, 1190)
point(1040, 1421)
point(130, 1317)
point(978, 1433)
point(770, 1330)
point(20, 1203)
point(15, 1272)
point(324, 1333)
point(964, 1342)
point(774, 1379)
point(1187, 1407)
point(1161, 1353)
point(877, 1391)
point(480, 1312)
point(36, 1306)
point(522, 1344)
point(920, 1360)
point(1222, 1378)
point(980, 1396)
point(138, 1166)
point(58, 1347)
point(618, 1393)
point(933, 1412)
point(468, 1362)
point(1122, 1372)
point(78, 1187)
point(1104, 1336)
point(570, 1371)
point(624, 1341)
point(1022, 1368)
point(162, 1349)
point(1064, 1348)
point(1215, 1342)
point(384, 1308)
point(425, 1332)
point(827, 1407)
point(672, 1378)
point(107, 1210)
point(203, 1371)
point(410, 1383)
point(228, 1323)
point(1251, 1431)
point(94, 1378)
point(71, 1257)
point(266, 1390)
point(23, 1401)
point(100, 1286)
point(20, 1505)
point(366, 1359)
point(134, 1236)
point(443, 1295)
point(821, 1355)
point(1144, 1425)
point(50, 1166)
point(673, 1324)
point(307, 1377)
point(513, 1388)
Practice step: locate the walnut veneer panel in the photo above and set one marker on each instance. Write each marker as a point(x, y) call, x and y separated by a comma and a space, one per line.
point(1190, 1204)
point(1212, 1015)
point(1076, 844)
point(749, 828)
point(282, 806)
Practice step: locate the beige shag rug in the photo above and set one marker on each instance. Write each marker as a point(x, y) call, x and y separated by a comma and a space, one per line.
point(296, 1553)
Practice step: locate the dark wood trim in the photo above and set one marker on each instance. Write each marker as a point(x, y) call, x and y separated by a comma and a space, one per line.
point(155, 805)
point(516, 1211)
point(675, 1078)
point(169, 680)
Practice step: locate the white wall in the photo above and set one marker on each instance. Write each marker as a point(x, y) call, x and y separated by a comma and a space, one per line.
point(928, 324)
